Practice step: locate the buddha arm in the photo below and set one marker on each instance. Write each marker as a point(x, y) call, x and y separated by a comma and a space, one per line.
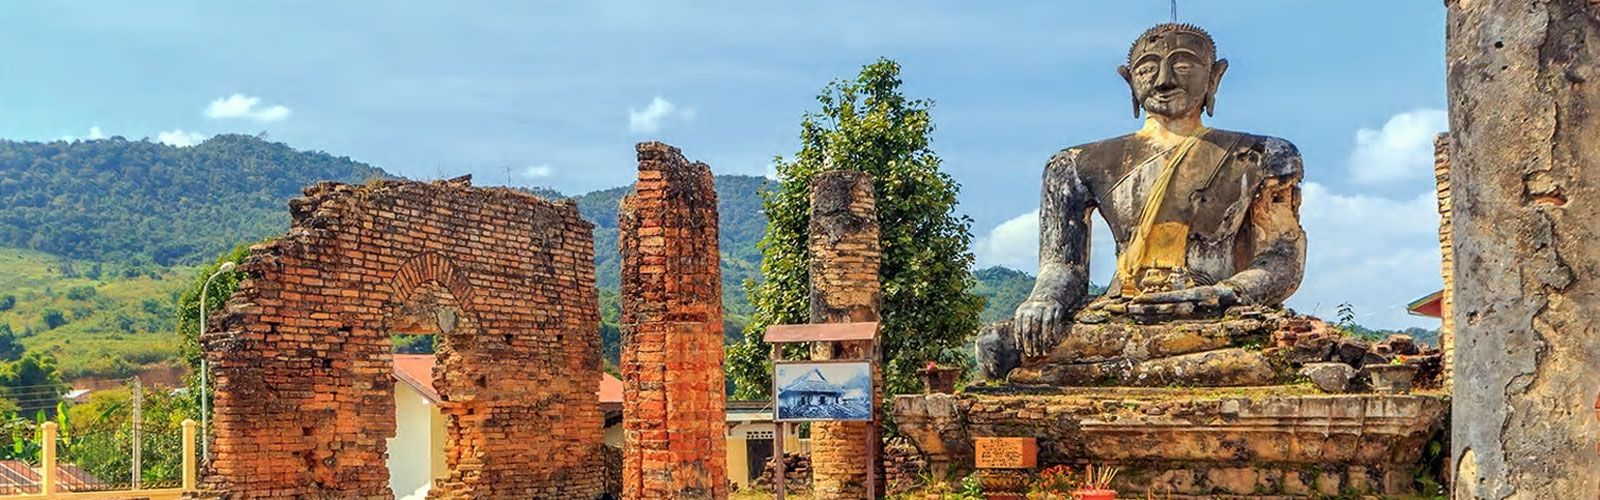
point(1273, 240)
point(1064, 205)
point(1063, 258)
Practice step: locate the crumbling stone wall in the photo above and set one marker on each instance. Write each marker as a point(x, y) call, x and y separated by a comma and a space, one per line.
point(1193, 443)
point(302, 360)
point(1447, 255)
point(1524, 83)
point(845, 256)
point(673, 401)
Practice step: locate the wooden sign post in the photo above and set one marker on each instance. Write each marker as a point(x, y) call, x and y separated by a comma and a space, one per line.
point(813, 397)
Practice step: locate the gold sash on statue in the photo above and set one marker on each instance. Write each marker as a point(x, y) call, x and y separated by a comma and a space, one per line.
point(1155, 253)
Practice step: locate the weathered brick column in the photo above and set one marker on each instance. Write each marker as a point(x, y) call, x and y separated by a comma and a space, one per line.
point(1524, 93)
point(673, 402)
point(845, 257)
point(1447, 256)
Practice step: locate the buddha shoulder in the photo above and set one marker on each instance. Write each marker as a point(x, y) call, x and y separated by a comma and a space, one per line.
point(1278, 156)
point(1099, 155)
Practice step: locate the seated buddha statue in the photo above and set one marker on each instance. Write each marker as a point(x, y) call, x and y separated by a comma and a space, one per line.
point(1204, 219)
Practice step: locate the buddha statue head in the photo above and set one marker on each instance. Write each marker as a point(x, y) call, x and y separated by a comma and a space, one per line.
point(1173, 71)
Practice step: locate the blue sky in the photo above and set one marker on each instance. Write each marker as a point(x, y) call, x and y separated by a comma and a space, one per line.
point(558, 92)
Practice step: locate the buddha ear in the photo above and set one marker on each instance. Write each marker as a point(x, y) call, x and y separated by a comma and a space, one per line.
point(1217, 69)
point(1127, 76)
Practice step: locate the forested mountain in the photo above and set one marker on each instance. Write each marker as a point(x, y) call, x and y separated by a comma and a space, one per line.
point(115, 200)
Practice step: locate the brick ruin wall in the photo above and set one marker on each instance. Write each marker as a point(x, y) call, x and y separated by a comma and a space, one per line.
point(673, 399)
point(845, 255)
point(302, 360)
point(1447, 260)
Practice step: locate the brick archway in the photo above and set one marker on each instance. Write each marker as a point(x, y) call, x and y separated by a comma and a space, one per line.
point(302, 357)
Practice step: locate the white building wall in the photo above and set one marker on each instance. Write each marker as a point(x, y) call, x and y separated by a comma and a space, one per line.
point(413, 448)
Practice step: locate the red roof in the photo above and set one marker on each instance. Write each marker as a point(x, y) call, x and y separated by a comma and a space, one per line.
point(1431, 305)
point(416, 370)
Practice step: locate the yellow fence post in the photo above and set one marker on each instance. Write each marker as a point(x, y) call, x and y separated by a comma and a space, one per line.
point(49, 461)
point(188, 455)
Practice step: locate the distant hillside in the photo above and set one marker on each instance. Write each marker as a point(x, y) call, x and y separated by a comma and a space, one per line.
point(740, 227)
point(115, 200)
point(1005, 289)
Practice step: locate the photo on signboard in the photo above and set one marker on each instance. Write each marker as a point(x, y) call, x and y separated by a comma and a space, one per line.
point(824, 391)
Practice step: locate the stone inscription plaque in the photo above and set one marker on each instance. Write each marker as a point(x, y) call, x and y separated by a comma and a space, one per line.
point(1005, 452)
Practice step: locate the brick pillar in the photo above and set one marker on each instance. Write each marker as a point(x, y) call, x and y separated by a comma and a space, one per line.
point(673, 404)
point(1447, 256)
point(844, 264)
point(1525, 195)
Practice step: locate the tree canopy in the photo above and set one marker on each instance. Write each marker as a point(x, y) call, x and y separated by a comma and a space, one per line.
point(928, 311)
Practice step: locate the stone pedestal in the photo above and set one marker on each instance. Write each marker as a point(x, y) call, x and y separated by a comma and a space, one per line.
point(1255, 441)
point(1225, 352)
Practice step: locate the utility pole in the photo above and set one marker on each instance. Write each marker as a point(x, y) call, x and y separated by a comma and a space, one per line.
point(138, 430)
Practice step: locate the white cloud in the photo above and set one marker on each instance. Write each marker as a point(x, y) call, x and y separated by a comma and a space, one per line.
point(537, 171)
point(94, 133)
point(243, 106)
point(1015, 244)
point(180, 139)
point(1376, 253)
point(1402, 149)
point(650, 119)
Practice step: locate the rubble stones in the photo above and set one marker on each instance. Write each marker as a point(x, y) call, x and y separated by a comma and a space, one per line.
point(1330, 377)
point(1352, 351)
point(1397, 345)
point(1311, 349)
point(796, 471)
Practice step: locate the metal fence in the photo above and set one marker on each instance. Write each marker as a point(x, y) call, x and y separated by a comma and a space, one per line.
point(130, 440)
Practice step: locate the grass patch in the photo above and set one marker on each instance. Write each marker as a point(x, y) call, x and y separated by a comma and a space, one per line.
point(98, 320)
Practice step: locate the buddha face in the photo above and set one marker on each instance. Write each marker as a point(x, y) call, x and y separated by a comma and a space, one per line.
point(1173, 73)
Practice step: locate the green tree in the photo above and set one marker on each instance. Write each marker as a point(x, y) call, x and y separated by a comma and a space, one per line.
point(32, 383)
point(53, 318)
point(81, 292)
point(10, 348)
point(189, 301)
point(103, 434)
point(867, 125)
point(8, 302)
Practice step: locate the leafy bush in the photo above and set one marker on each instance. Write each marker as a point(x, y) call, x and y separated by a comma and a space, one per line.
point(80, 293)
point(53, 318)
point(102, 434)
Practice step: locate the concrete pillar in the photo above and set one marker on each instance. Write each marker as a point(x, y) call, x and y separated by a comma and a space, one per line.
point(845, 257)
point(673, 400)
point(1524, 90)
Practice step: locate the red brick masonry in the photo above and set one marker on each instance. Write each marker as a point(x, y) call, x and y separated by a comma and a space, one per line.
point(673, 404)
point(304, 396)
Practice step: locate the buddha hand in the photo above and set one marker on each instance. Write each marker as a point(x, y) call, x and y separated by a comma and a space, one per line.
point(1208, 296)
point(1038, 324)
